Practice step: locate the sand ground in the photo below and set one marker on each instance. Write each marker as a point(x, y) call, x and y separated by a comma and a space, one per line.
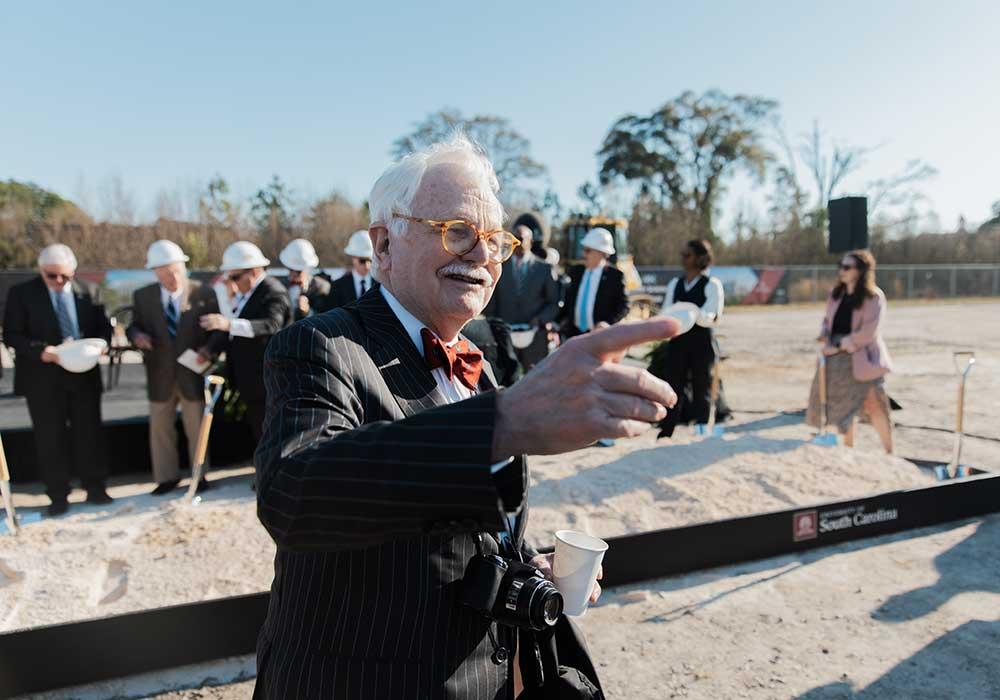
point(911, 616)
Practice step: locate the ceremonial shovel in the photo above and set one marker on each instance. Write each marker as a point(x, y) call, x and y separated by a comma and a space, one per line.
point(213, 389)
point(12, 519)
point(955, 468)
point(825, 438)
point(710, 429)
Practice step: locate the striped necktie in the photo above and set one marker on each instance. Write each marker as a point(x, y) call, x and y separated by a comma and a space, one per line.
point(66, 327)
point(171, 315)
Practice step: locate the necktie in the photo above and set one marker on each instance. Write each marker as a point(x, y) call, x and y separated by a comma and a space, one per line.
point(65, 322)
point(457, 361)
point(237, 300)
point(171, 315)
point(581, 302)
point(362, 287)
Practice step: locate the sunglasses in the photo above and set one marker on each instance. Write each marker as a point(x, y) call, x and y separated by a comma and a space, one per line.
point(237, 276)
point(847, 267)
point(57, 277)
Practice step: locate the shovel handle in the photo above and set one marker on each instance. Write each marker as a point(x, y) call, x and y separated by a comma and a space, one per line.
point(200, 450)
point(4, 471)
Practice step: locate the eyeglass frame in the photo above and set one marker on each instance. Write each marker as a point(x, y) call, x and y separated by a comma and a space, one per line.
point(481, 235)
point(58, 276)
point(242, 273)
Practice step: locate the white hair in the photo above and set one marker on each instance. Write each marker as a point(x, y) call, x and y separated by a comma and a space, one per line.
point(57, 254)
point(395, 188)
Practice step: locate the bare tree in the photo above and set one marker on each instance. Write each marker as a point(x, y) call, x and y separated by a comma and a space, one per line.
point(829, 169)
point(117, 202)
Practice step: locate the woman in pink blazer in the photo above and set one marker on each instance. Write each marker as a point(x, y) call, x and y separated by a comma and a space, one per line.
point(857, 359)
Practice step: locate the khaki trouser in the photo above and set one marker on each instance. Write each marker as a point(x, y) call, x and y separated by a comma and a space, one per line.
point(163, 434)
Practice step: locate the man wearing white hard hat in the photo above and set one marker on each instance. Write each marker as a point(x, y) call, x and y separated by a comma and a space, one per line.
point(165, 328)
point(261, 308)
point(354, 284)
point(596, 294)
point(309, 294)
point(41, 315)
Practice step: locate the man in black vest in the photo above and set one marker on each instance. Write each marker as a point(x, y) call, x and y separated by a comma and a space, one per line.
point(691, 357)
point(41, 314)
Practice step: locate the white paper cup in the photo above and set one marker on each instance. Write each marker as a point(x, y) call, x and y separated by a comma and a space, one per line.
point(577, 561)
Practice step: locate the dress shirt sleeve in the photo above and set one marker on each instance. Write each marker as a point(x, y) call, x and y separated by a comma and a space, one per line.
point(668, 296)
point(715, 300)
point(240, 327)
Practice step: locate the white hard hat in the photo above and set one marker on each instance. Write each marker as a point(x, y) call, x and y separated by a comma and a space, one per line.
point(80, 355)
point(57, 254)
point(360, 245)
point(242, 255)
point(684, 312)
point(601, 240)
point(299, 255)
point(164, 253)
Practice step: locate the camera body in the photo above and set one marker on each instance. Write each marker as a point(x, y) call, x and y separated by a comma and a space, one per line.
point(512, 593)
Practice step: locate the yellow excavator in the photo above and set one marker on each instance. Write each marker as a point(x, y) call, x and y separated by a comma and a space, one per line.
point(567, 244)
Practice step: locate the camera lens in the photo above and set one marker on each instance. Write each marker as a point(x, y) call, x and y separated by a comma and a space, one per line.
point(545, 603)
point(551, 609)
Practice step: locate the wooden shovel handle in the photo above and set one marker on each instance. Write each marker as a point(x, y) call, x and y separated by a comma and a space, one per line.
point(4, 471)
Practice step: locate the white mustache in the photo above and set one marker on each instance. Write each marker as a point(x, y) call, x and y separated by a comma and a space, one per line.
point(477, 273)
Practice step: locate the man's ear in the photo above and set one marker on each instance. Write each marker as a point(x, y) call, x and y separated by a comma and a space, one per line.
point(380, 243)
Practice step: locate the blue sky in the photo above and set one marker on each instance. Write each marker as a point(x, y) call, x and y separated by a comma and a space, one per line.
point(168, 94)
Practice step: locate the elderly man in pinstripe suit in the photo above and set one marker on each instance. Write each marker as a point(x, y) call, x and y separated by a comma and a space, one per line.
point(387, 453)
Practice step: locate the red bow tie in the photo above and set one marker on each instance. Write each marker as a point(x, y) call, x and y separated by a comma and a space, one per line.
point(460, 360)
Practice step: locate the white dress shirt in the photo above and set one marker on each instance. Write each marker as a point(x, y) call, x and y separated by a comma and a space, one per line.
point(585, 307)
point(241, 326)
point(70, 301)
point(357, 283)
point(294, 292)
point(715, 299)
point(453, 389)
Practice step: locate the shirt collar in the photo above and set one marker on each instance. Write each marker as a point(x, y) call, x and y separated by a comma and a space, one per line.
point(411, 324)
point(166, 296)
point(358, 278)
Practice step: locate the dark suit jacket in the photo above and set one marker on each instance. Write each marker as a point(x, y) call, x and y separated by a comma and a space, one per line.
point(162, 371)
point(610, 304)
point(269, 310)
point(318, 294)
point(372, 487)
point(30, 324)
point(342, 291)
point(536, 298)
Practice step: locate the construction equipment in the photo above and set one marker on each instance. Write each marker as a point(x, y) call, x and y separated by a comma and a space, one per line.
point(213, 390)
point(955, 468)
point(12, 521)
point(825, 438)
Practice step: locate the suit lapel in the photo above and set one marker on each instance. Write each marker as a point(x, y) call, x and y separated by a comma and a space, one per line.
point(396, 357)
point(44, 301)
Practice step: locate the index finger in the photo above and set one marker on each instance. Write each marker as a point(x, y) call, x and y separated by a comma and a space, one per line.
point(622, 336)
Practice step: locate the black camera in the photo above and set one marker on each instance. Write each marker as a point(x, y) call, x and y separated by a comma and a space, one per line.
point(510, 592)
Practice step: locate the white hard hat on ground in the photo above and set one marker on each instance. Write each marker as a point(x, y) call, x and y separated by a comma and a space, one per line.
point(360, 245)
point(162, 253)
point(80, 355)
point(299, 255)
point(242, 255)
point(601, 240)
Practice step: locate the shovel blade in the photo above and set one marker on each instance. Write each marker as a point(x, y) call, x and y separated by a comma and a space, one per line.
point(825, 440)
point(20, 520)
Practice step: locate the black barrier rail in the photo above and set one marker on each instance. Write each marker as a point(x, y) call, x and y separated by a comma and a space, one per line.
point(59, 656)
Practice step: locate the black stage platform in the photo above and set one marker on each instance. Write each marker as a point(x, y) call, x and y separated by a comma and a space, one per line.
point(124, 410)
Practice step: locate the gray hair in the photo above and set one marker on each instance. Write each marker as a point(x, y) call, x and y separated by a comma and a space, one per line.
point(57, 254)
point(395, 188)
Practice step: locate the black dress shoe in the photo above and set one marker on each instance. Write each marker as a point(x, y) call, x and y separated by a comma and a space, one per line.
point(98, 496)
point(204, 484)
point(57, 507)
point(164, 488)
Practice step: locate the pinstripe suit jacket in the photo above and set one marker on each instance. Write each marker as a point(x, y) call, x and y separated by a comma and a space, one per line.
point(372, 486)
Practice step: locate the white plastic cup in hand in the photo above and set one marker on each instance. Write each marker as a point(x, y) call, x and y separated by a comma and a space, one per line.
point(577, 561)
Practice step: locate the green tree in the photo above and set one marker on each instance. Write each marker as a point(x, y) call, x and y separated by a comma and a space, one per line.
point(508, 150)
point(686, 150)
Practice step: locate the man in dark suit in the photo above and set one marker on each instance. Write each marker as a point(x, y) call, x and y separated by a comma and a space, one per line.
point(596, 294)
point(358, 280)
point(41, 314)
point(527, 294)
point(261, 309)
point(388, 460)
point(308, 293)
point(165, 326)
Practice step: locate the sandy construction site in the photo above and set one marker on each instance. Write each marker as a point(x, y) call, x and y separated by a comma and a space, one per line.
point(914, 615)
